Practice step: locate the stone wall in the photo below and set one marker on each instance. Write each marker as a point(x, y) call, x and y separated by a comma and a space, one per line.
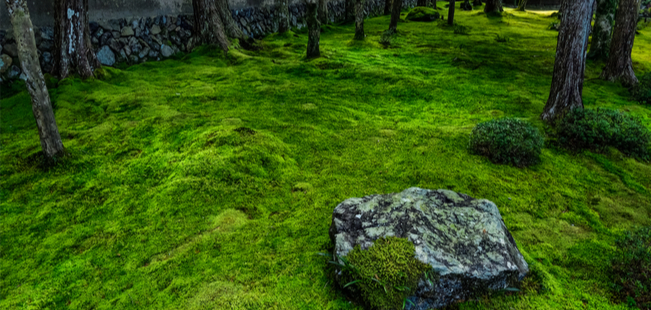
point(140, 39)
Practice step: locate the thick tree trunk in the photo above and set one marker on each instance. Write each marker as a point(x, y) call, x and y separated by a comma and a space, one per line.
point(396, 6)
point(35, 82)
point(282, 13)
point(350, 11)
point(359, 20)
point(230, 27)
point(522, 5)
point(603, 29)
point(208, 25)
point(569, 67)
point(451, 12)
point(73, 51)
point(314, 30)
point(323, 12)
point(493, 6)
point(388, 4)
point(620, 65)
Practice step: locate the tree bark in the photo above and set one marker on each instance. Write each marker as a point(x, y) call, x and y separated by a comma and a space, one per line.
point(421, 3)
point(282, 12)
point(522, 5)
point(350, 11)
point(451, 12)
point(314, 29)
point(359, 20)
point(73, 51)
point(396, 6)
point(208, 25)
point(388, 4)
point(35, 82)
point(323, 12)
point(493, 6)
point(569, 66)
point(620, 64)
point(477, 3)
point(603, 29)
point(230, 27)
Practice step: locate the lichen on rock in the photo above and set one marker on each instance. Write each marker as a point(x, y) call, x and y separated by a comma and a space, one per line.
point(463, 240)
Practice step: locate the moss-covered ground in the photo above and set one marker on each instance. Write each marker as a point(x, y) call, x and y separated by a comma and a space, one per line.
point(208, 181)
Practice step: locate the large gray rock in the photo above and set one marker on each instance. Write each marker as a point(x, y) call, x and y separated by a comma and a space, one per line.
point(166, 50)
point(463, 239)
point(126, 31)
point(11, 50)
point(106, 56)
point(5, 63)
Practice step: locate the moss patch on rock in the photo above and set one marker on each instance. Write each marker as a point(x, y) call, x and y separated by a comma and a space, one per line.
point(386, 273)
point(423, 14)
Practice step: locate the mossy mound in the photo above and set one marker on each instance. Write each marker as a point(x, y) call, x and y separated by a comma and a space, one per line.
point(386, 273)
point(423, 14)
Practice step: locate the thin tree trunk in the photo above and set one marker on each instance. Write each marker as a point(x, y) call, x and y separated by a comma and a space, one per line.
point(620, 65)
point(451, 12)
point(522, 5)
point(434, 5)
point(493, 6)
point(282, 12)
point(35, 82)
point(569, 67)
point(314, 30)
point(388, 4)
point(208, 25)
point(359, 20)
point(73, 51)
point(323, 12)
point(603, 29)
point(231, 28)
point(350, 11)
point(421, 3)
point(395, 15)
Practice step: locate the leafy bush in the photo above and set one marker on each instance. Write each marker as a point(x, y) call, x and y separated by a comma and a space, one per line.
point(507, 141)
point(597, 129)
point(385, 274)
point(632, 268)
point(642, 91)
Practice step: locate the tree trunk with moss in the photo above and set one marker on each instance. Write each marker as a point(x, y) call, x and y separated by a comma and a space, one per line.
point(314, 29)
point(603, 29)
point(522, 5)
point(350, 11)
point(451, 12)
point(569, 66)
point(282, 13)
point(493, 6)
point(27, 54)
point(396, 6)
point(323, 12)
point(208, 25)
point(73, 51)
point(620, 64)
point(230, 26)
point(359, 20)
point(388, 4)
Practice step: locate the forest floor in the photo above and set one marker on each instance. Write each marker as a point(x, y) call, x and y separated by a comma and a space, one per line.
point(207, 181)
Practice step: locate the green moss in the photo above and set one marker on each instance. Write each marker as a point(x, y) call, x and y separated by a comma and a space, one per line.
point(387, 272)
point(424, 14)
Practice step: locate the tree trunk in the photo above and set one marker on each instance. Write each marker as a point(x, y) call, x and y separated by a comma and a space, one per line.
point(451, 13)
point(230, 27)
point(323, 12)
point(314, 29)
point(388, 4)
point(522, 5)
point(477, 3)
point(35, 82)
point(434, 5)
point(73, 51)
point(603, 29)
point(396, 6)
point(359, 20)
point(350, 11)
point(208, 25)
point(493, 6)
point(282, 12)
point(620, 65)
point(569, 66)
point(421, 3)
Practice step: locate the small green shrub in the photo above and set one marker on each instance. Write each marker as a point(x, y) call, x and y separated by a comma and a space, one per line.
point(507, 141)
point(632, 268)
point(597, 129)
point(642, 91)
point(385, 274)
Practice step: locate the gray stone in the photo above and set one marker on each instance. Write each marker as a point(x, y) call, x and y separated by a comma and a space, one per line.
point(99, 32)
point(11, 50)
point(22, 76)
point(144, 52)
point(155, 29)
point(104, 39)
point(134, 58)
point(45, 45)
point(126, 31)
point(13, 72)
point(114, 45)
point(166, 51)
point(5, 63)
point(153, 54)
point(463, 239)
point(47, 33)
point(46, 57)
point(106, 56)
